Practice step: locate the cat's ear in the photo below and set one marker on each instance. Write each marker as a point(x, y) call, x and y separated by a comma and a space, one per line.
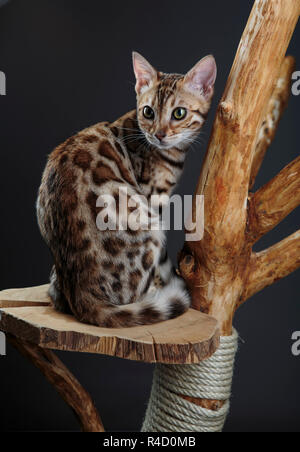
point(145, 74)
point(201, 78)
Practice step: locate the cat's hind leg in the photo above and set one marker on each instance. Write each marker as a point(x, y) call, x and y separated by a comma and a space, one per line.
point(58, 299)
point(165, 270)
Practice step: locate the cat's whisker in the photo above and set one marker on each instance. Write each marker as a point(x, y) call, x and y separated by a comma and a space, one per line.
point(131, 139)
point(128, 128)
point(134, 134)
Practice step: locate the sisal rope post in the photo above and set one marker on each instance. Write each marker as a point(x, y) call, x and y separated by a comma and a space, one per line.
point(211, 379)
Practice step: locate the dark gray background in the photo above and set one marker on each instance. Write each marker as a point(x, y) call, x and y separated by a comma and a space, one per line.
point(68, 65)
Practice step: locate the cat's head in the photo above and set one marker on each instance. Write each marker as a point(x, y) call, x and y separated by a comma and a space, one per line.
point(172, 108)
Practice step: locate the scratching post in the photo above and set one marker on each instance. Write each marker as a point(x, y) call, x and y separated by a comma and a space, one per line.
point(211, 379)
point(222, 271)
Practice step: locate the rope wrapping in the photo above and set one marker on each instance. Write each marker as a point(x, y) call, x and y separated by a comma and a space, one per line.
point(167, 411)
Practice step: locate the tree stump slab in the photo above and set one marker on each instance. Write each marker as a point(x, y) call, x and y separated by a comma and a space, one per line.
point(28, 315)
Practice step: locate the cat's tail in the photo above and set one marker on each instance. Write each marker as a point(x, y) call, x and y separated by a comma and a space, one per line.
point(155, 306)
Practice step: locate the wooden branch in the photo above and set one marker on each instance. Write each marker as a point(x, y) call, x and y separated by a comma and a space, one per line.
point(272, 264)
point(221, 258)
point(275, 109)
point(64, 382)
point(275, 201)
point(225, 176)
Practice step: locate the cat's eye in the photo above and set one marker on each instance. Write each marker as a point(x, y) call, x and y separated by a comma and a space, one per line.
point(148, 112)
point(179, 113)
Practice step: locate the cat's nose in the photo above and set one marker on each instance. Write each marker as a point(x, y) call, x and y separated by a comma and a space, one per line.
point(160, 135)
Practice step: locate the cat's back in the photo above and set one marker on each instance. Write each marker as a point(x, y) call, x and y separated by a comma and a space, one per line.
point(77, 172)
point(79, 154)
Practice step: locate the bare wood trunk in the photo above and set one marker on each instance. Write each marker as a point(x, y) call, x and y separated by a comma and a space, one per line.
point(272, 264)
point(275, 109)
point(274, 201)
point(64, 382)
point(221, 271)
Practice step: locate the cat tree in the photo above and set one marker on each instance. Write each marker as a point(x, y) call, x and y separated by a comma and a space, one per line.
point(222, 271)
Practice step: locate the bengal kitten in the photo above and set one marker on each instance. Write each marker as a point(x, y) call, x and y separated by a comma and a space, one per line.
point(122, 278)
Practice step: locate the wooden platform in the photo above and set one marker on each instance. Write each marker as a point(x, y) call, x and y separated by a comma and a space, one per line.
point(27, 314)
